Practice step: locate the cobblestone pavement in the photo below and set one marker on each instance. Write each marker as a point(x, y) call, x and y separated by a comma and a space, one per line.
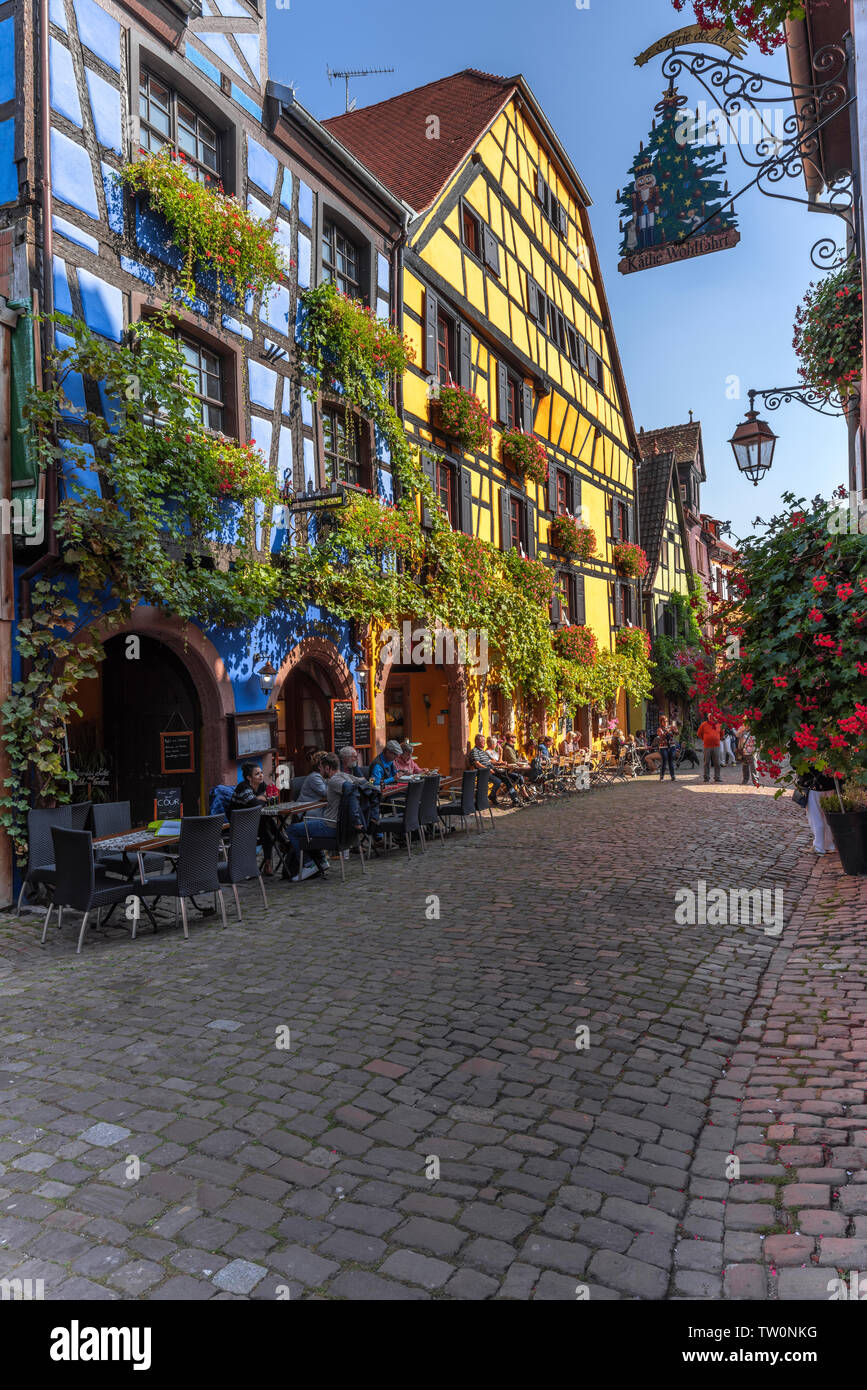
point(417, 1042)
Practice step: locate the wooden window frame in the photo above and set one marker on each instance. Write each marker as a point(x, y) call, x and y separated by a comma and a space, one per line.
point(564, 485)
point(186, 81)
point(469, 214)
point(450, 341)
point(227, 349)
point(329, 269)
point(444, 468)
point(145, 77)
point(363, 434)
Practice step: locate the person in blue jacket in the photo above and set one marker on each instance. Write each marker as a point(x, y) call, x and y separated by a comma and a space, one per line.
point(382, 769)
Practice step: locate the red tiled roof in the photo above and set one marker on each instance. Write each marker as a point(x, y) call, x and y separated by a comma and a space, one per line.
point(414, 166)
point(683, 439)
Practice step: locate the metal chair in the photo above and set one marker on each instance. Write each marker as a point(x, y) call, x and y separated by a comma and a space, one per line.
point(76, 884)
point(242, 863)
point(465, 806)
point(408, 822)
point(115, 818)
point(347, 834)
point(427, 811)
point(197, 867)
point(483, 801)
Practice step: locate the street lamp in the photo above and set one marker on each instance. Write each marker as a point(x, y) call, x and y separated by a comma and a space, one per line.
point(753, 445)
point(267, 676)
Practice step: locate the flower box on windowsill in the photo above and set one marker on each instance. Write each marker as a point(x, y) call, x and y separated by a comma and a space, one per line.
point(570, 537)
point(525, 454)
point(461, 414)
point(630, 560)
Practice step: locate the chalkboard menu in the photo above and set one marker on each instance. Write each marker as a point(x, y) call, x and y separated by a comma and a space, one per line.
point(167, 803)
point(176, 751)
point(363, 737)
point(341, 724)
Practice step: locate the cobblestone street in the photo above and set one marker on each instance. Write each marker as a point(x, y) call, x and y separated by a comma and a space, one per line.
point(417, 1043)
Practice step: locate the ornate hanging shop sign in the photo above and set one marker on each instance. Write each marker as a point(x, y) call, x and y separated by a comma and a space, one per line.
point(674, 206)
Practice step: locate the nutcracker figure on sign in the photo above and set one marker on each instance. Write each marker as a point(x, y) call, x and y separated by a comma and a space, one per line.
point(645, 204)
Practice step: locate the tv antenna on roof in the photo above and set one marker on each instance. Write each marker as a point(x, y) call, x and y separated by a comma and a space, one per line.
point(354, 72)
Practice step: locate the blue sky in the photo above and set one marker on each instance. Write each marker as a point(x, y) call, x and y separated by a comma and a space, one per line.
point(683, 330)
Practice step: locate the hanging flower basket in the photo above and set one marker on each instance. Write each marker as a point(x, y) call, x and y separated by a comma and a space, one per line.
point(212, 230)
point(576, 643)
point(525, 454)
point(829, 327)
point(633, 641)
point(533, 578)
point(461, 413)
point(570, 537)
point(630, 560)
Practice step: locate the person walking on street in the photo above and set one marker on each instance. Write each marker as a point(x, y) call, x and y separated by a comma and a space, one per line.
point(747, 746)
point(709, 734)
point(666, 741)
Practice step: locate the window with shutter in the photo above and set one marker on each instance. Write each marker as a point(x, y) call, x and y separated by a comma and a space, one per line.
point(556, 610)
point(446, 348)
point(428, 468)
point(471, 231)
point(536, 302)
point(553, 480)
point(528, 525)
point(505, 519)
point(465, 359)
point(528, 409)
point(626, 603)
point(580, 612)
point(445, 488)
point(618, 612)
point(431, 316)
point(490, 250)
point(502, 393)
point(466, 501)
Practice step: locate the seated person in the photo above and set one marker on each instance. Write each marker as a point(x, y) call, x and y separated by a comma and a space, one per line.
point(493, 749)
point(369, 798)
point(382, 769)
point(509, 752)
point(480, 758)
point(406, 764)
point(250, 791)
point(349, 764)
point(313, 786)
point(324, 822)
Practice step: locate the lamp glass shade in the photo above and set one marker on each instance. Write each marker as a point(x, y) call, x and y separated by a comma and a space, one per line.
point(753, 445)
point(267, 676)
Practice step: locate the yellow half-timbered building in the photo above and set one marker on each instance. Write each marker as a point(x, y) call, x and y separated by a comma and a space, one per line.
point(503, 296)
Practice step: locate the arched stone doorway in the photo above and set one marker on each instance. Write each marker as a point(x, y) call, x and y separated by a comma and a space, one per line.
point(313, 674)
point(172, 676)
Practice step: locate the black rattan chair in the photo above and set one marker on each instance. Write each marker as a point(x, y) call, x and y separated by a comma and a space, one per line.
point(242, 863)
point(347, 834)
point(427, 811)
point(76, 883)
point(407, 823)
point(465, 806)
point(483, 801)
point(40, 850)
point(197, 867)
point(79, 815)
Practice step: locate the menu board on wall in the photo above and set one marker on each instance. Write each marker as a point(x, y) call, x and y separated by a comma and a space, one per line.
point(176, 751)
point(363, 728)
point(341, 724)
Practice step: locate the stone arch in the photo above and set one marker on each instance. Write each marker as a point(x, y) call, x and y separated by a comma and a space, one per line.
point(326, 654)
point(207, 671)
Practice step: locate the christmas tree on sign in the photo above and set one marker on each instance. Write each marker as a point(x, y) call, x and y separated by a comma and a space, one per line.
point(674, 205)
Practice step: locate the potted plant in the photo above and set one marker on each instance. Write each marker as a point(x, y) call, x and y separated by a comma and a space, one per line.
point(799, 612)
point(760, 21)
point(829, 330)
point(461, 413)
point(525, 454)
point(846, 810)
point(630, 559)
point(633, 642)
point(572, 537)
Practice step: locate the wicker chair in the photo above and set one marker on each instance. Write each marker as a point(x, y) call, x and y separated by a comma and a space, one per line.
point(465, 806)
point(197, 867)
point(76, 884)
point(242, 863)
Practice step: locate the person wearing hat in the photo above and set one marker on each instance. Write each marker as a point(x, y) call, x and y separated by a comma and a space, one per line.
point(406, 764)
point(382, 769)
